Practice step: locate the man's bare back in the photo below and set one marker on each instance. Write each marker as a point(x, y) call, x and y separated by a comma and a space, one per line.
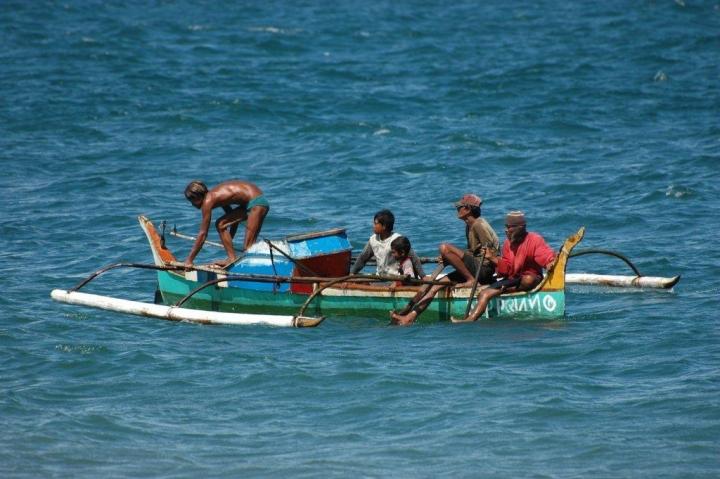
point(232, 193)
point(250, 205)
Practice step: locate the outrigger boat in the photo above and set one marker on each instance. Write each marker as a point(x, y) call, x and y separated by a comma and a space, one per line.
point(301, 279)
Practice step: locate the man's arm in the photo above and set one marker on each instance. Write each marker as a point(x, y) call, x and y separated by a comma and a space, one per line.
point(544, 254)
point(503, 265)
point(202, 234)
point(366, 254)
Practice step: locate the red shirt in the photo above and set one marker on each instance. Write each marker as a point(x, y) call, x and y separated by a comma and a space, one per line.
point(528, 257)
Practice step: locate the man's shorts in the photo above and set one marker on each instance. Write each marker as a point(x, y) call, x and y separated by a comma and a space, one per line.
point(505, 284)
point(471, 263)
point(258, 201)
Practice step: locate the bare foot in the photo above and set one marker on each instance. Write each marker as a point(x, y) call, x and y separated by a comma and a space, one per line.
point(403, 311)
point(455, 320)
point(224, 262)
point(403, 320)
point(466, 284)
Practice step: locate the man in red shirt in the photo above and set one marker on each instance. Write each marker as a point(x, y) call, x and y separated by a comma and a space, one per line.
point(524, 255)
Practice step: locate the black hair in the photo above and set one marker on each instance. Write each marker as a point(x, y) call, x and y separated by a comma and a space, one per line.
point(195, 189)
point(385, 218)
point(401, 244)
point(474, 211)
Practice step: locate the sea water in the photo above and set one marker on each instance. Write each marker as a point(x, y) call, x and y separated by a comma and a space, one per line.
point(596, 114)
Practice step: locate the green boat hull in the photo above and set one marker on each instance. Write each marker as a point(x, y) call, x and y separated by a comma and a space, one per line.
point(375, 304)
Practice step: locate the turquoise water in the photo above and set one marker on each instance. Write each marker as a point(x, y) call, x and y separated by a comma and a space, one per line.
point(602, 114)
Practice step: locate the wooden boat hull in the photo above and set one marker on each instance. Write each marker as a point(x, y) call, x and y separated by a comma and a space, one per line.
point(546, 302)
point(355, 300)
point(318, 286)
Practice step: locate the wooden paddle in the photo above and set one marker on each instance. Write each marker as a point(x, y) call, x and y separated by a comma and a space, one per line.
point(423, 291)
point(475, 283)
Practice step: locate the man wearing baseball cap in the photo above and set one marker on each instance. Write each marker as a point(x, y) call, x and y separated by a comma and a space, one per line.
point(480, 236)
point(524, 255)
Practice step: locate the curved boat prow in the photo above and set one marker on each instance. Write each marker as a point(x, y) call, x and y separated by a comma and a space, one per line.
point(555, 277)
point(161, 255)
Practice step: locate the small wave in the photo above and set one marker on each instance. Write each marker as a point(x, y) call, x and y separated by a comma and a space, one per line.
point(673, 191)
point(78, 348)
point(381, 131)
point(276, 30)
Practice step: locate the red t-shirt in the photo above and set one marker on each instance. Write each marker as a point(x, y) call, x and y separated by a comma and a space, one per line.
point(528, 257)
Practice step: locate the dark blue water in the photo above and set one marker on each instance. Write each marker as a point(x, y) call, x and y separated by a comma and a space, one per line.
point(602, 114)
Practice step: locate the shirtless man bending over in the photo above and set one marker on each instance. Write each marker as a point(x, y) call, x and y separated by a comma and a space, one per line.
point(241, 201)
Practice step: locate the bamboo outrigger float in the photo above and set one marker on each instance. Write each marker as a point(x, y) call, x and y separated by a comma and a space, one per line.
point(173, 313)
point(301, 279)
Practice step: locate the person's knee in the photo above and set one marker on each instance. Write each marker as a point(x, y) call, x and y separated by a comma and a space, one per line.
point(489, 293)
point(220, 224)
point(528, 282)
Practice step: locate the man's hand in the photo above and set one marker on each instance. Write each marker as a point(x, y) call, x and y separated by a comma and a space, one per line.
point(549, 266)
point(188, 265)
point(489, 253)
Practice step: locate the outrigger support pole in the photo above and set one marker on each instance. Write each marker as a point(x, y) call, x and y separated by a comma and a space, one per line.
point(320, 290)
point(122, 265)
point(582, 252)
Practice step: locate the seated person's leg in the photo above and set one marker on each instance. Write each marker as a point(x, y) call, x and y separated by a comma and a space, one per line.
point(456, 257)
point(505, 285)
point(419, 306)
point(528, 282)
point(483, 299)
